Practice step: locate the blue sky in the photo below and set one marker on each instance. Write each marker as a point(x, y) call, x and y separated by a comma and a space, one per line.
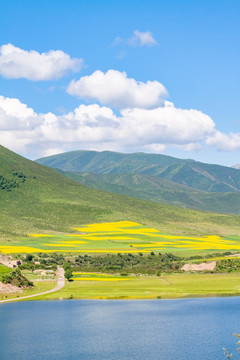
point(189, 48)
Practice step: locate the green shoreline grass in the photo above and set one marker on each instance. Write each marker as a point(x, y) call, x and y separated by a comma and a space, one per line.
point(173, 286)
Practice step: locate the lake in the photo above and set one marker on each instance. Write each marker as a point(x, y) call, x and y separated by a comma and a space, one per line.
point(127, 330)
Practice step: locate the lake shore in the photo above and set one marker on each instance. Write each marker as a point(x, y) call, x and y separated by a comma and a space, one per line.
point(171, 286)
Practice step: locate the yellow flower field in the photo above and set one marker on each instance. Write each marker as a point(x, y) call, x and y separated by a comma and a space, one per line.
point(98, 279)
point(119, 237)
point(93, 276)
point(18, 249)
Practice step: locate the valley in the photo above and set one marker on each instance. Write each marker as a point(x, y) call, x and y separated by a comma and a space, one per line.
point(116, 246)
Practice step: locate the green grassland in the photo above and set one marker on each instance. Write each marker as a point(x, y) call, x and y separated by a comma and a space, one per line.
point(167, 286)
point(4, 270)
point(143, 287)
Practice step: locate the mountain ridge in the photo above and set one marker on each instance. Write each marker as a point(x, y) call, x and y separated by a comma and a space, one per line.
point(201, 176)
point(184, 183)
point(159, 190)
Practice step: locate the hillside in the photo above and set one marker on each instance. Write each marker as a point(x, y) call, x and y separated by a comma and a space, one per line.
point(206, 177)
point(49, 201)
point(153, 188)
point(153, 177)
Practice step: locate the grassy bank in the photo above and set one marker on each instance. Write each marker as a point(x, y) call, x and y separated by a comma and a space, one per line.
point(145, 287)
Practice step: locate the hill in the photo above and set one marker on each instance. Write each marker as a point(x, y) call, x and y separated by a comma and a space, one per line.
point(153, 177)
point(153, 188)
point(206, 177)
point(46, 200)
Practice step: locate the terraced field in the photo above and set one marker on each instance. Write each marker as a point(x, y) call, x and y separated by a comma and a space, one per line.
point(120, 237)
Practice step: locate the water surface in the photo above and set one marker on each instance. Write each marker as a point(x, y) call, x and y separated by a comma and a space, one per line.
point(119, 330)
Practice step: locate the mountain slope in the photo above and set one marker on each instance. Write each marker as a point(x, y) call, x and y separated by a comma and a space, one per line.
point(157, 189)
point(108, 162)
point(206, 177)
point(47, 200)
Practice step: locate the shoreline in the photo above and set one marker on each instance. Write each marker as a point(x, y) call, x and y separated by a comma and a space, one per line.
point(121, 298)
point(174, 286)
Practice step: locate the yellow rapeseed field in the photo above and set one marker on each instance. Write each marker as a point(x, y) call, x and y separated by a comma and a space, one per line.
point(87, 276)
point(99, 279)
point(7, 249)
point(118, 237)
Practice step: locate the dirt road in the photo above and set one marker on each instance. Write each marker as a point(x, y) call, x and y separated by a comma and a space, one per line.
point(60, 285)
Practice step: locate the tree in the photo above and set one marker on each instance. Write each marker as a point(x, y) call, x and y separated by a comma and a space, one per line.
point(68, 274)
point(67, 266)
point(29, 257)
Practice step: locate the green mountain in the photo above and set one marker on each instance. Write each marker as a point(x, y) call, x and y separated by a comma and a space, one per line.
point(206, 177)
point(157, 189)
point(38, 198)
point(161, 178)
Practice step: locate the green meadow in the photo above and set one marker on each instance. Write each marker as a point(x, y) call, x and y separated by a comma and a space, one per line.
point(4, 270)
point(145, 287)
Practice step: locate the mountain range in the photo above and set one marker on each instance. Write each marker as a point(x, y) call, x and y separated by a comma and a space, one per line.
point(155, 177)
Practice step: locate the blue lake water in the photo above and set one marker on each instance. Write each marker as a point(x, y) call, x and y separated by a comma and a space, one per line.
point(189, 329)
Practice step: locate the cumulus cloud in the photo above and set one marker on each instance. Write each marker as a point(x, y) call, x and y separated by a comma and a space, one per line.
point(115, 89)
point(16, 63)
point(224, 142)
point(98, 127)
point(168, 125)
point(142, 38)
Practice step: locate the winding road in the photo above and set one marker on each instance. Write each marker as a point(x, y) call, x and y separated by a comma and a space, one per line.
point(60, 285)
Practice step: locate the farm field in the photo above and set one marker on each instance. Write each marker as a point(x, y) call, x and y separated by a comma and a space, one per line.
point(145, 287)
point(93, 276)
point(120, 237)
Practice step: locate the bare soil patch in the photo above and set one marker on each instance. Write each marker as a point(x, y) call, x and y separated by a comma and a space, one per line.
point(199, 267)
point(8, 288)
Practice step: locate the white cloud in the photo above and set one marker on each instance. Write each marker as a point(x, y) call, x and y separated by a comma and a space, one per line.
point(115, 89)
point(117, 41)
point(142, 38)
point(97, 127)
point(139, 38)
point(168, 125)
point(225, 142)
point(16, 63)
